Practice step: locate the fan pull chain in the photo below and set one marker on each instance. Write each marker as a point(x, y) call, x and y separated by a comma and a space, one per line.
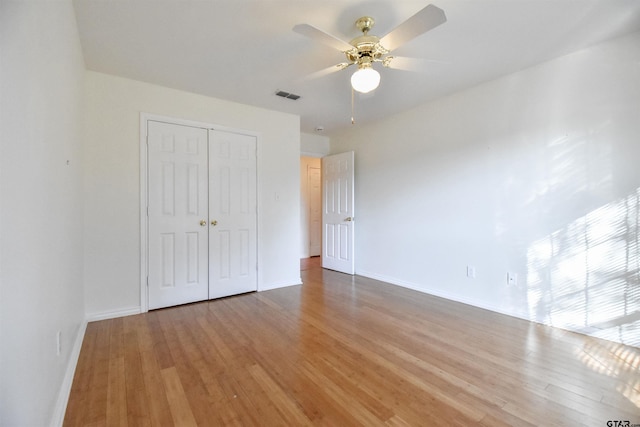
point(353, 120)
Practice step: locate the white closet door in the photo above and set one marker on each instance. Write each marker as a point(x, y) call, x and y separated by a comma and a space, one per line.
point(232, 213)
point(177, 214)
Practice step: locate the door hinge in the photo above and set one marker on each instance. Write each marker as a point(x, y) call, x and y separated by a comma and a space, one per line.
point(147, 281)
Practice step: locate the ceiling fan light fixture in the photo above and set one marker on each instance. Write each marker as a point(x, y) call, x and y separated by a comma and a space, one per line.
point(365, 79)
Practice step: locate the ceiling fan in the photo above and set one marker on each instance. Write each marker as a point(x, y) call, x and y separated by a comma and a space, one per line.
point(367, 49)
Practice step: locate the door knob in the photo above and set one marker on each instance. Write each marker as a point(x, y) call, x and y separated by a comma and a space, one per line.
point(203, 222)
point(348, 219)
point(214, 222)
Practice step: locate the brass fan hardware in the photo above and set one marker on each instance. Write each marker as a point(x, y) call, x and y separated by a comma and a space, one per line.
point(365, 24)
point(367, 49)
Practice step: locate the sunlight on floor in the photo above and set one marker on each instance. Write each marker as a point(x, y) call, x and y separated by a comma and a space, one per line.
point(615, 361)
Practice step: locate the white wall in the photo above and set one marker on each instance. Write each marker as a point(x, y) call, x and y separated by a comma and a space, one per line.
point(41, 290)
point(112, 189)
point(535, 173)
point(312, 145)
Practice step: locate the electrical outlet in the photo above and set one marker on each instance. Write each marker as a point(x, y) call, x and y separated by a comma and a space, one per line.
point(58, 343)
point(512, 278)
point(471, 272)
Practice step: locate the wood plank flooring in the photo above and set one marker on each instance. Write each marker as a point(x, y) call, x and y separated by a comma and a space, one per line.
point(342, 351)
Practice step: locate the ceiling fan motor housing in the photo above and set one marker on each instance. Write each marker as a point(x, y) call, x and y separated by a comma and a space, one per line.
point(366, 47)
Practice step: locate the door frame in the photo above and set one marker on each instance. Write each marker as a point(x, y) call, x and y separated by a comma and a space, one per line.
point(144, 193)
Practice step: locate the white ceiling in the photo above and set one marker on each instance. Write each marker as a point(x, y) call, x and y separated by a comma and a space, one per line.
point(245, 50)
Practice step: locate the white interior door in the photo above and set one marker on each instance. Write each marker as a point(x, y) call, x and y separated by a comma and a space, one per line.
point(338, 212)
point(232, 213)
point(177, 214)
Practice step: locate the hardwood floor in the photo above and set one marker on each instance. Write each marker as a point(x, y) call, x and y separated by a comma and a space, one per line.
point(343, 350)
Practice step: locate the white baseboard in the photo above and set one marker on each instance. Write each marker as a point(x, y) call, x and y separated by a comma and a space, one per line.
point(270, 286)
point(65, 389)
point(587, 331)
point(104, 315)
point(440, 294)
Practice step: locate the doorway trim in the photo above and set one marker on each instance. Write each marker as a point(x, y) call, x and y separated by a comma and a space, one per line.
point(144, 190)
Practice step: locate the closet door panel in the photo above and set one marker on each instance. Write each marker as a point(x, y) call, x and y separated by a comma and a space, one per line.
point(177, 214)
point(232, 208)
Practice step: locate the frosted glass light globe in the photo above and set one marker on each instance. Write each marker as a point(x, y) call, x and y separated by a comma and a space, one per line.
point(365, 80)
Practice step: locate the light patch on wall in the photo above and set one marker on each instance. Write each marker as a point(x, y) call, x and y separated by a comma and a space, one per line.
point(586, 275)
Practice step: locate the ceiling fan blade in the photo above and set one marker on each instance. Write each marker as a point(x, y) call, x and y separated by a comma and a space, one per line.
point(322, 37)
point(404, 63)
point(423, 21)
point(325, 71)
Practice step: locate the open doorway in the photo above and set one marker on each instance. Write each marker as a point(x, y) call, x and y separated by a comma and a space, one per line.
point(310, 208)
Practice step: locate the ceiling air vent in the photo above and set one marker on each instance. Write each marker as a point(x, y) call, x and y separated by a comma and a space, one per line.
point(288, 95)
